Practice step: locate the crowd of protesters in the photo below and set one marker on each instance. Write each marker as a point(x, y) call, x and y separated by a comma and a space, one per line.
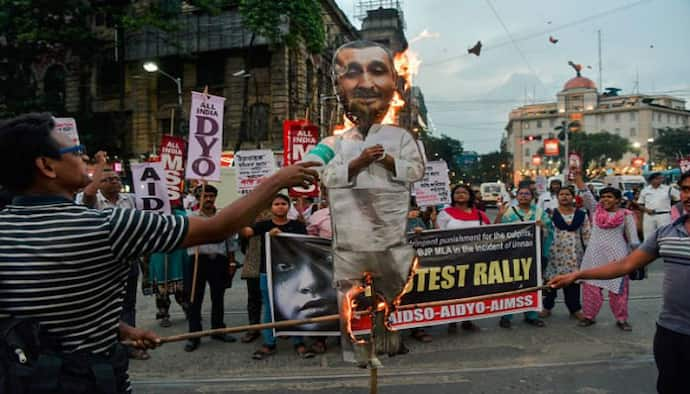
point(55, 216)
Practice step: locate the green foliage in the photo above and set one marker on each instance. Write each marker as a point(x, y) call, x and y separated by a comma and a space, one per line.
point(445, 148)
point(671, 144)
point(595, 148)
point(303, 17)
point(490, 167)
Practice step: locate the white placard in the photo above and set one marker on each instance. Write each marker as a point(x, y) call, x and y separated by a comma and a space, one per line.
point(252, 167)
point(150, 188)
point(434, 189)
point(205, 137)
point(67, 126)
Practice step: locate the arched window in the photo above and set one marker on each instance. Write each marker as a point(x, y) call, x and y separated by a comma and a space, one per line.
point(54, 88)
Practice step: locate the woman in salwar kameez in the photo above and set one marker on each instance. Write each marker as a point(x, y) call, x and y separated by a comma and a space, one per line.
point(571, 233)
point(614, 234)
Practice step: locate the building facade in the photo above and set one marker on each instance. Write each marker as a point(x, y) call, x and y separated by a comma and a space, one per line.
point(636, 117)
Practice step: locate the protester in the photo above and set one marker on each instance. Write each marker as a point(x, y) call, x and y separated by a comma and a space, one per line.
point(613, 235)
point(479, 202)
point(277, 224)
point(572, 230)
point(672, 338)
point(548, 201)
point(678, 210)
point(85, 255)
point(216, 265)
point(526, 210)
point(656, 200)
point(319, 223)
point(462, 213)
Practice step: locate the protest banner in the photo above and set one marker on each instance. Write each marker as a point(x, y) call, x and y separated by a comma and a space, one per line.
point(434, 188)
point(172, 158)
point(67, 126)
point(252, 167)
point(453, 264)
point(299, 137)
point(150, 189)
point(205, 137)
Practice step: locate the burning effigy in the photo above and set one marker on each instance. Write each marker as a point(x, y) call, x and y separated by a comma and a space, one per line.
point(368, 170)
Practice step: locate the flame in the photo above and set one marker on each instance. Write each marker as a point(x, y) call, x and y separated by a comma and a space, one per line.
point(424, 34)
point(349, 304)
point(407, 65)
point(397, 103)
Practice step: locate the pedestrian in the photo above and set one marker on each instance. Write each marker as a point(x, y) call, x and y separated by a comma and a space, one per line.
point(84, 257)
point(319, 223)
point(572, 230)
point(462, 213)
point(548, 201)
point(526, 210)
point(279, 223)
point(613, 236)
point(216, 265)
point(672, 338)
point(656, 200)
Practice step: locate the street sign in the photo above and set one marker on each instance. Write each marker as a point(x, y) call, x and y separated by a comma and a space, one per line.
point(551, 147)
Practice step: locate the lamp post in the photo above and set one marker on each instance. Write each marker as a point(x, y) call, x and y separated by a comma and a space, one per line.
point(152, 67)
point(650, 141)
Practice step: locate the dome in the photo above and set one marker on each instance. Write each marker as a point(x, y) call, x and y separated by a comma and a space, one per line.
point(579, 83)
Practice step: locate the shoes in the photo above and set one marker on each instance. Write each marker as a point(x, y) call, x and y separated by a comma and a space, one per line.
point(577, 315)
point(545, 313)
point(504, 323)
point(250, 336)
point(585, 322)
point(192, 345)
point(165, 322)
point(319, 346)
point(421, 336)
point(624, 325)
point(535, 322)
point(224, 338)
point(303, 351)
point(138, 354)
point(469, 326)
point(264, 352)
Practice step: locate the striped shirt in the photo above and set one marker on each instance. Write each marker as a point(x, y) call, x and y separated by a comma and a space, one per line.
point(672, 244)
point(63, 264)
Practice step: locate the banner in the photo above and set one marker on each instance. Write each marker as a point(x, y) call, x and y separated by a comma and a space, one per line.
point(67, 126)
point(299, 137)
point(453, 264)
point(172, 158)
point(205, 137)
point(150, 188)
point(434, 189)
point(252, 167)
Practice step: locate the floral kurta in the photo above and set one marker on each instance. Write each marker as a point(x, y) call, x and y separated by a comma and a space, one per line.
point(533, 214)
point(567, 248)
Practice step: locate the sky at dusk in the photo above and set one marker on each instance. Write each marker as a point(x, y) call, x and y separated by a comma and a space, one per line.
point(469, 97)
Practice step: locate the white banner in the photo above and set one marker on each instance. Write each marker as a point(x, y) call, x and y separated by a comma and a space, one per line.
point(434, 189)
point(150, 188)
point(252, 167)
point(205, 137)
point(67, 126)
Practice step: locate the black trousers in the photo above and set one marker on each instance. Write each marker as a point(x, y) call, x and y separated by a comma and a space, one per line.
point(254, 300)
point(213, 270)
point(571, 294)
point(672, 356)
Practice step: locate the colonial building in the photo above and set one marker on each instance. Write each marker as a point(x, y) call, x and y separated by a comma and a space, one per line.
point(636, 117)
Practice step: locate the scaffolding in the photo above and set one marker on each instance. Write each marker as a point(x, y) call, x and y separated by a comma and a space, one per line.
point(362, 6)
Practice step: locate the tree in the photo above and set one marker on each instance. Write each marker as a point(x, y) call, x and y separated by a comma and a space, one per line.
point(490, 167)
point(446, 148)
point(671, 144)
point(595, 148)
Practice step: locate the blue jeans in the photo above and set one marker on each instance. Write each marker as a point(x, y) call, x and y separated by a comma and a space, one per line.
point(267, 333)
point(531, 315)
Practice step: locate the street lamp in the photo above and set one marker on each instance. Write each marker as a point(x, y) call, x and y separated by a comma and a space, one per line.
point(152, 67)
point(650, 141)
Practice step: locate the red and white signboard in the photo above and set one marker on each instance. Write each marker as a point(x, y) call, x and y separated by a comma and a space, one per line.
point(172, 157)
point(227, 158)
point(150, 189)
point(551, 147)
point(67, 126)
point(253, 166)
point(205, 137)
point(299, 137)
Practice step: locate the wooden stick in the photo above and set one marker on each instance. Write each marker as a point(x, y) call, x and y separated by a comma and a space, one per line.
point(373, 369)
point(196, 250)
point(328, 318)
point(165, 276)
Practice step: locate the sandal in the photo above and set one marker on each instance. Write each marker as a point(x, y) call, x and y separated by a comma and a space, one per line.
point(421, 336)
point(545, 313)
point(319, 346)
point(624, 325)
point(304, 352)
point(535, 322)
point(250, 336)
point(586, 322)
point(264, 352)
point(470, 326)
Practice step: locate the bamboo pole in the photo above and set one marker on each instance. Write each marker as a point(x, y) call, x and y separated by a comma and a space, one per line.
point(196, 249)
point(329, 318)
point(373, 368)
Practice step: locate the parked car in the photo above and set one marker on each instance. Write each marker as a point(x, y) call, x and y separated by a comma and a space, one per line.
point(491, 191)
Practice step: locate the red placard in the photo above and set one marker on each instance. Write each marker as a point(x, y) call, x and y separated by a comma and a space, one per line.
point(172, 156)
point(551, 147)
point(536, 160)
point(299, 137)
point(637, 162)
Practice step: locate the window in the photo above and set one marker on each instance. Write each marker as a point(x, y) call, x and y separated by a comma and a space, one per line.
point(539, 124)
point(210, 69)
point(527, 152)
point(617, 117)
point(602, 118)
point(618, 131)
point(633, 132)
point(632, 116)
point(658, 117)
point(108, 79)
point(552, 122)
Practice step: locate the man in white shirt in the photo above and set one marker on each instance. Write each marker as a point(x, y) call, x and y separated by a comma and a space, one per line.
point(655, 201)
point(548, 201)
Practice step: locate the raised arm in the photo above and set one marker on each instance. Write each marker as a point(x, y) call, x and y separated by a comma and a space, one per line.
point(91, 189)
point(637, 259)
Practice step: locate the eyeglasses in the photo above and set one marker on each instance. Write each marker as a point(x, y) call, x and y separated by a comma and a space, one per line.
point(111, 179)
point(77, 150)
